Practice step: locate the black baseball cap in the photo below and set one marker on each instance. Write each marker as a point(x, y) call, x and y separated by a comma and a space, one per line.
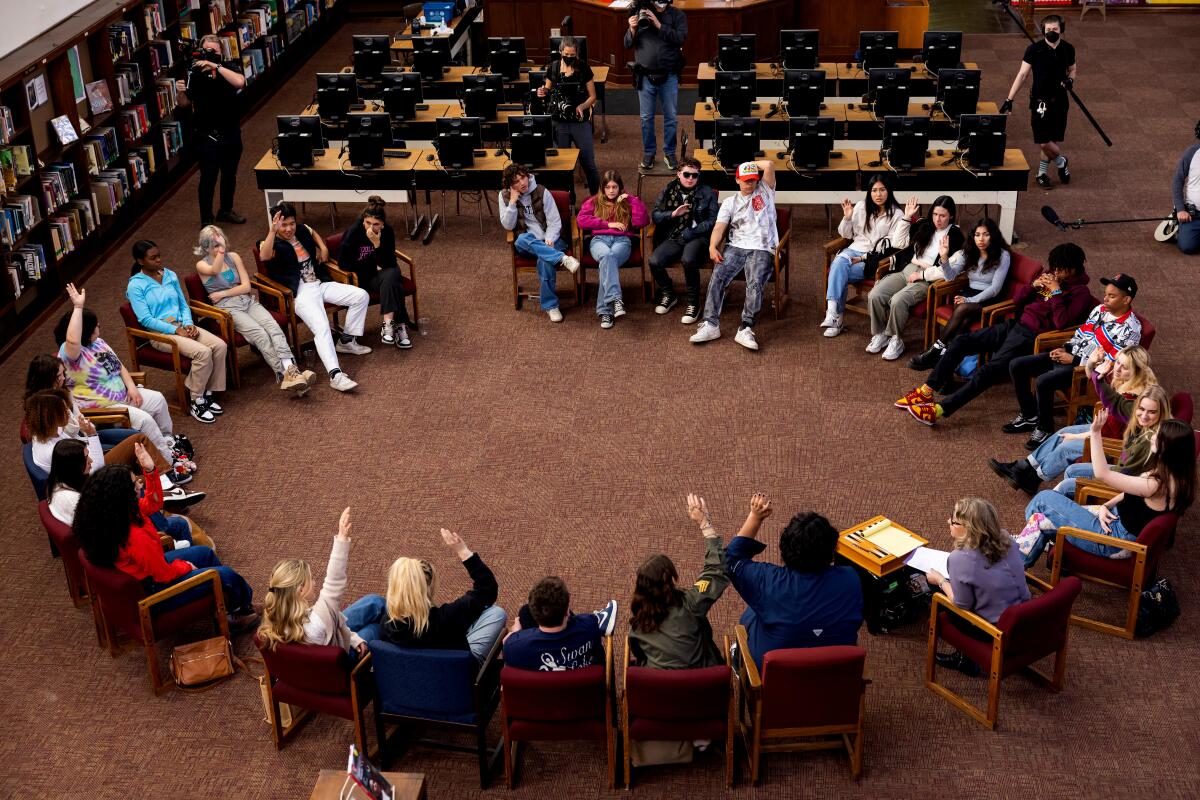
point(1122, 281)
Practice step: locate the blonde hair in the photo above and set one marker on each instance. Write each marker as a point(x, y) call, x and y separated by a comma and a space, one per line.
point(1133, 431)
point(411, 583)
point(982, 526)
point(1137, 360)
point(209, 236)
point(285, 610)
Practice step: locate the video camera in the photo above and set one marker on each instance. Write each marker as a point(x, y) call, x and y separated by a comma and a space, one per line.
point(643, 8)
point(196, 54)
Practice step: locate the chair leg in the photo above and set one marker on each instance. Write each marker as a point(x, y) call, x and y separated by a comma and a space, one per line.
point(628, 759)
point(508, 751)
point(182, 392)
point(156, 681)
point(482, 751)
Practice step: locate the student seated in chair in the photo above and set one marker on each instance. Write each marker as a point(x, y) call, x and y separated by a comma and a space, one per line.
point(684, 216)
point(369, 251)
point(546, 636)
point(530, 209)
point(615, 220)
point(299, 254)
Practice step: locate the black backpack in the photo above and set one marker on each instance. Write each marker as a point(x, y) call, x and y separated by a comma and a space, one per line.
point(1158, 609)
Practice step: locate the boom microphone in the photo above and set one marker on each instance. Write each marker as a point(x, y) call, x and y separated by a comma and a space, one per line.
point(1052, 217)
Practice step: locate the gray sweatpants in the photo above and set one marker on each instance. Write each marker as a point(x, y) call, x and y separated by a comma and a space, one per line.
point(892, 299)
point(255, 323)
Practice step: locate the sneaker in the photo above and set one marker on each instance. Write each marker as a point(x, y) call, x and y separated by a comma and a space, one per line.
point(830, 318)
point(231, 216)
point(211, 404)
point(353, 347)
point(183, 444)
point(647, 163)
point(554, 314)
point(1036, 438)
point(877, 343)
point(835, 328)
point(915, 397)
point(570, 263)
point(607, 617)
point(309, 376)
point(201, 413)
point(618, 308)
point(671, 162)
point(928, 359)
point(957, 661)
point(1064, 174)
point(745, 337)
point(606, 321)
point(402, 340)
point(691, 314)
point(895, 349)
point(177, 497)
point(1043, 180)
point(1020, 423)
point(180, 474)
point(666, 303)
point(292, 380)
point(388, 334)
point(342, 382)
point(705, 333)
point(924, 413)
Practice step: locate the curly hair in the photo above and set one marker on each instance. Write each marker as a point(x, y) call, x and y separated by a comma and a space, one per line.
point(808, 542)
point(374, 209)
point(108, 506)
point(284, 610)
point(983, 532)
point(549, 601)
point(510, 175)
point(47, 411)
point(654, 594)
point(1067, 256)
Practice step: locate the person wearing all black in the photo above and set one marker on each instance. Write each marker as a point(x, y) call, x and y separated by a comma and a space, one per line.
point(658, 60)
point(211, 89)
point(1051, 62)
point(369, 251)
point(683, 217)
point(571, 91)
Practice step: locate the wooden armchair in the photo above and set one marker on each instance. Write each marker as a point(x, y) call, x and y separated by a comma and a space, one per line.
point(525, 265)
point(857, 303)
point(637, 258)
point(278, 298)
point(409, 281)
point(142, 352)
point(1021, 272)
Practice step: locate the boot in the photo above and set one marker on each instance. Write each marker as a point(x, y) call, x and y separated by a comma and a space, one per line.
point(928, 359)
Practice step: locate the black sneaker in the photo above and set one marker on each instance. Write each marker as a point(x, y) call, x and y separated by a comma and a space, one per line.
point(183, 444)
point(673, 163)
point(1064, 174)
point(691, 314)
point(211, 404)
point(1043, 180)
point(926, 360)
point(1036, 438)
point(1020, 423)
point(958, 661)
point(647, 164)
point(606, 321)
point(666, 303)
point(199, 411)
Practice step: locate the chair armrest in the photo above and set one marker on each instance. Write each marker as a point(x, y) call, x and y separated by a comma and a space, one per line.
point(341, 275)
point(153, 336)
point(362, 679)
point(510, 236)
point(262, 281)
point(1091, 489)
point(1099, 538)
point(833, 247)
point(940, 290)
point(977, 621)
point(1045, 342)
point(489, 661)
point(784, 241)
point(996, 312)
point(208, 576)
point(748, 674)
point(137, 377)
point(608, 662)
point(223, 318)
point(108, 415)
point(885, 266)
point(725, 652)
point(1113, 447)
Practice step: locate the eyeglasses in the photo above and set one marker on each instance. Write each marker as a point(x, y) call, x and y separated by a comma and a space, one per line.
point(954, 521)
point(689, 174)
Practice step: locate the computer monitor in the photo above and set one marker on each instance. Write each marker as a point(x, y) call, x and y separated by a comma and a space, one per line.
point(736, 51)
point(798, 48)
point(336, 91)
point(505, 55)
point(537, 80)
point(457, 139)
point(298, 137)
point(810, 141)
point(735, 140)
point(984, 138)
point(905, 139)
point(372, 52)
point(803, 91)
point(958, 91)
point(734, 92)
point(402, 94)
point(941, 50)
point(481, 95)
point(580, 47)
point(366, 137)
point(877, 48)
point(888, 91)
point(431, 56)
point(529, 138)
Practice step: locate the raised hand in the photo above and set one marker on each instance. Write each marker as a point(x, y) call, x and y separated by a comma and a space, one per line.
point(276, 222)
point(1099, 420)
point(698, 511)
point(455, 543)
point(847, 208)
point(76, 296)
point(760, 506)
point(344, 525)
point(86, 425)
point(143, 458)
point(911, 207)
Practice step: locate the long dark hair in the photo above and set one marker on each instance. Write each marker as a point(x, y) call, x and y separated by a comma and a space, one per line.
point(140, 248)
point(925, 228)
point(42, 374)
point(888, 206)
point(996, 247)
point(108, 506)
point(1175, 462)
point(68, 466)
point(654, 594)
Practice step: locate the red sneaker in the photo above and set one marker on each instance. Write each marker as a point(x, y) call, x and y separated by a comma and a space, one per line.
point(924, 413)
point(915, 397)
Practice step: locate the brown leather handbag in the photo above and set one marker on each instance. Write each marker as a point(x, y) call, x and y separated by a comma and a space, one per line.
point(203, 664)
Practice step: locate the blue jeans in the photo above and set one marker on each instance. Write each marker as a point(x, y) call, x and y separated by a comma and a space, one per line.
point(1188, 236)
point(365, 616)
point(176, 526)
point(610, 253)
point(757, 266)
point(111, 437)
point(581, 134)
point(1056, 454)
point(648, 96)
point(841, 274)
point(1066, 486)
point(1061, 512)
point(548, 259)
point(484, 632)
point(238, 594)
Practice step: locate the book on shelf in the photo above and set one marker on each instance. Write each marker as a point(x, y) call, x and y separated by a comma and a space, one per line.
point(31, 261)
point(20, 214)
point(167, 95)
point(60, 237)
point(101, 148)
point(141, 166)
point(162, 56)
point(54, 190)
point(99, 99)
point(64, 130)
point(187, 30)
point(66, 172)
point(16, 162)
point(172, 137)
point(122, 40)
point(129, 81)
point(295, 23)
point(89, 217)
point(7, 128)
point(230, 49)
point(134, 123)
point(8, 174)
point(156, 18)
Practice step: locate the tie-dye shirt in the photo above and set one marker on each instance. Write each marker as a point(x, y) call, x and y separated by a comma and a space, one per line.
point(95, 377)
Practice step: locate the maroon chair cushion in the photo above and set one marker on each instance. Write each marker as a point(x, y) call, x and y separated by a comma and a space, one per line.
point(194, 286)
point(24, 432)
point(119, 594)
point(1181, 407)
point(815, 686)
point(650, 730)
point(64, 541)
point(540, 731)
point(678, 694)
point(338, 705)
point(783, 219)
point(1155, 537)
point(334, 243)
point(147, 355)
point(570, 695)
point(1148, 331)
point(319, 668)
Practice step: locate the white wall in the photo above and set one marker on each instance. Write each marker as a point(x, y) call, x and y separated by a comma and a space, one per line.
point(25, 19)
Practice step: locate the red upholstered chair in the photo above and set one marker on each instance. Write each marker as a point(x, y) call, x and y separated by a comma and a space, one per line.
point(409, 281)
point(120, 605)
point(571, 705)
point(637, 257)
point(858, 302)
point(220, 322)
point(316, 678)
point(803, 693)
point(142, 354)
point(677, 705)
point(523, 264)
point(64, 543)
point(940, 298)
point(1024, 634)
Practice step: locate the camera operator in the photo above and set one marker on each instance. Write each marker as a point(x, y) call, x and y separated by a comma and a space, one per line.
point(1185, 191)
point(570, 92)
point(656, 33)
point(211, 89)
point(1052, 64)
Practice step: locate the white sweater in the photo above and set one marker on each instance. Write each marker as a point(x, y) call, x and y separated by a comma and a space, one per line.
point(894, 227)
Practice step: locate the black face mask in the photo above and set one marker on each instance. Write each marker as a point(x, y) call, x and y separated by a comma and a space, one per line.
point(569, 60)
point(1052, 36)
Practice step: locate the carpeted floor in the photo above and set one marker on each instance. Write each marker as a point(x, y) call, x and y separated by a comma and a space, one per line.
point(569, 449)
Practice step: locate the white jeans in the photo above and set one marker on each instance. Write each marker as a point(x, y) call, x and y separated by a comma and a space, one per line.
point(310, 307)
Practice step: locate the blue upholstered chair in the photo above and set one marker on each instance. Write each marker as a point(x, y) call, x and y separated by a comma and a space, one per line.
point(36, 475)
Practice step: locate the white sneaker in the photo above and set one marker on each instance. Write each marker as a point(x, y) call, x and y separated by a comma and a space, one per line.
point(571, 263)
point(831, 318)
point(555, 315)
point(834, 327)
point(705, 333)
point(353, 347)
point(877, 343)
point(342, 382)
point(894, 349)
point(618, 308)
point(745, 337)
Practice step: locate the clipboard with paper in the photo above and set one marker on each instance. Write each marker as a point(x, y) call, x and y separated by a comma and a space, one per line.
point(878, 545)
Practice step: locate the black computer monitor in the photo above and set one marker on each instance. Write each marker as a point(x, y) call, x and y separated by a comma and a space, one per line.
point(803, 91)
point(958, 91)
point(457, 139)
point(366, 137)
point(529, 138)
point(735, 140)
point(734, 92)
point(481, 95)
point(905, 139)
point(537, 80)
point(505, 55)
point(984, 138)
point(877, 48)
point(736, 51)
point(431, 56)
point(581, 50)
point(298, 137)
point(888, 91)
point(941, 50)
point(402, 94)
point(335, 93)
point(810, 141)
point(798, 48)
point(372, 52)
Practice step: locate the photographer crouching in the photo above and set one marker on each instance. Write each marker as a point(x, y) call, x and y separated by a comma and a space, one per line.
point(211, 89)
point(656, 32)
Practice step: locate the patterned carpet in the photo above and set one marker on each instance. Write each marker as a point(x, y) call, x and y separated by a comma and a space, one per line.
point(569, 449)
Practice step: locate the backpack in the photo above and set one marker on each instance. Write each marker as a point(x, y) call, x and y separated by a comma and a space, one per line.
point(1158, 609)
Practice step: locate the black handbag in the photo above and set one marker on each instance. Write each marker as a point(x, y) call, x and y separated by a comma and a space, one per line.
point(1158, 609)
point(882, 249)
